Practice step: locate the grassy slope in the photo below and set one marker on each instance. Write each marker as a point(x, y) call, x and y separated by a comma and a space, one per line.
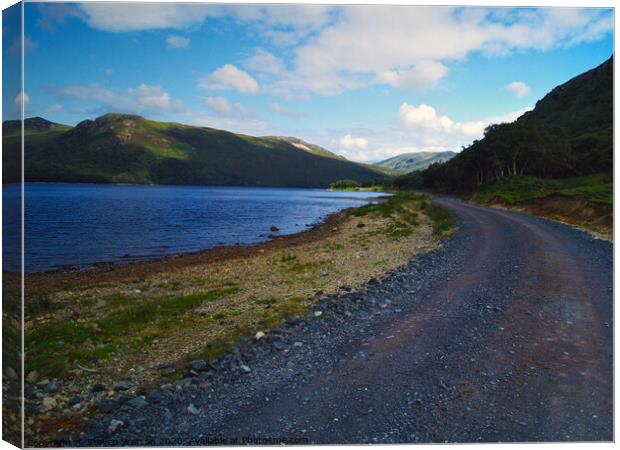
point(130, 149)
point(595, 188)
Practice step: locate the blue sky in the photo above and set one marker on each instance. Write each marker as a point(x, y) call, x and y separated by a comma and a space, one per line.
point(367, 82)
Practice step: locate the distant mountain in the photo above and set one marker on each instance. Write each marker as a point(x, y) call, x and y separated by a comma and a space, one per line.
point(121, 148)
point(408, 162)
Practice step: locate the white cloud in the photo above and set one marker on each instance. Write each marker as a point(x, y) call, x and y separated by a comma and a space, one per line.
point(408, 47)
point(54, 108)
point(423, 75)
point(279, 109)
point(518, 88)
point(177, 41)
point(143, 99)
point(428, 128)
point(19, 98)
point(264, 62)
point(348, 142)
point(122, 17)
point(229, 77)
point(222, 107)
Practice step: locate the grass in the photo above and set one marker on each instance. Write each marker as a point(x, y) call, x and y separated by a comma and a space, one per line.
point(53, 348)
point(404, 208)
point(595, 188)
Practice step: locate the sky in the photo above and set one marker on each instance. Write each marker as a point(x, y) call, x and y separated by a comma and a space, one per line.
point(367, 82)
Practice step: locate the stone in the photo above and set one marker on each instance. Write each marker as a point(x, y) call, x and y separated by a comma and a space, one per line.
point(184, 382)
point(49, 403)
point(10, 373)
point(192, 409)
point(318, 313)
point(123, 385)
point(75, 400)
point(115, 424)
point(32, 377)
point(137, 402)
point(245, 369)
point(98, 388)
point(52, 386)
point(260, 335)
point(274, 228)
point(199, 365)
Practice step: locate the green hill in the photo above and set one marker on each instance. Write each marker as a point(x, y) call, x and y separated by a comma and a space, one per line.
point(120, 148)
point(409, 162)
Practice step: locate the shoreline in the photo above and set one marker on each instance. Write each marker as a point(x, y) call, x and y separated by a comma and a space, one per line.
point(103, 271)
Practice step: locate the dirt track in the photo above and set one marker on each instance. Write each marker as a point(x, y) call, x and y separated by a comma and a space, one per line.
point(503, 334)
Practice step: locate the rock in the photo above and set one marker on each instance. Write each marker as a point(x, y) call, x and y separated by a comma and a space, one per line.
point(49, 403)
point(98, 388)
point(245, 369)
point(114, 425)
point(155, 397)
point(123, 385)
point(10, 373)
point(137, 402)
point(74, 400)
point(199, 365)
point(274, 228)
point(108, 406)
point(260, 335)
point(101, 303)
point(297, 344)
point(192, 409)
point(32, 377)
point(52, 386)
point(360, 225)
point(184, 382)
point(318, 313)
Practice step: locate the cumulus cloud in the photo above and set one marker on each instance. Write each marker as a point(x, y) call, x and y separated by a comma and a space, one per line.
point(518, 88)
point(229, 77)
point(264, 62)
point(175, 41)
point(143, 99)
point(279, 109)
point(20, 99)
point(399, 46)
point(349, 142)
point(423, 75)
point(429, 128)
point(222, 107)
point(122, 17)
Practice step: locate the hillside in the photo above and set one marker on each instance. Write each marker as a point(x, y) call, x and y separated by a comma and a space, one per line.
point(120, 148)
point(409, 162)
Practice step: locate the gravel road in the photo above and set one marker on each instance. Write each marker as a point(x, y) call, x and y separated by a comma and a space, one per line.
point(502, 334)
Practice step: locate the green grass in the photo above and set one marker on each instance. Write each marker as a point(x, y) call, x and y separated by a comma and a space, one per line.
point(53, 348)
point(595, 188)
point(403, 208)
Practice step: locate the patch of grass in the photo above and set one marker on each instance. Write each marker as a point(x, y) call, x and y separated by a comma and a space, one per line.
point(442, 219)
point(595, 188)
point(52, 348)
point(288, 258)
point(266, 301)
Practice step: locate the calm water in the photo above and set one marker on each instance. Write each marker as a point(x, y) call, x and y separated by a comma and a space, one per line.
point(81, 224)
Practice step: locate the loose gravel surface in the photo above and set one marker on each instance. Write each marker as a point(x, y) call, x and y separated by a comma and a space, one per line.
point(502, 334)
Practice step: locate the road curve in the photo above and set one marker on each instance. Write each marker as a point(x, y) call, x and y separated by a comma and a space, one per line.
point(503, 334)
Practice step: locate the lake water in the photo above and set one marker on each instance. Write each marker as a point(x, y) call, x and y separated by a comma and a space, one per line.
point(80, 224)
